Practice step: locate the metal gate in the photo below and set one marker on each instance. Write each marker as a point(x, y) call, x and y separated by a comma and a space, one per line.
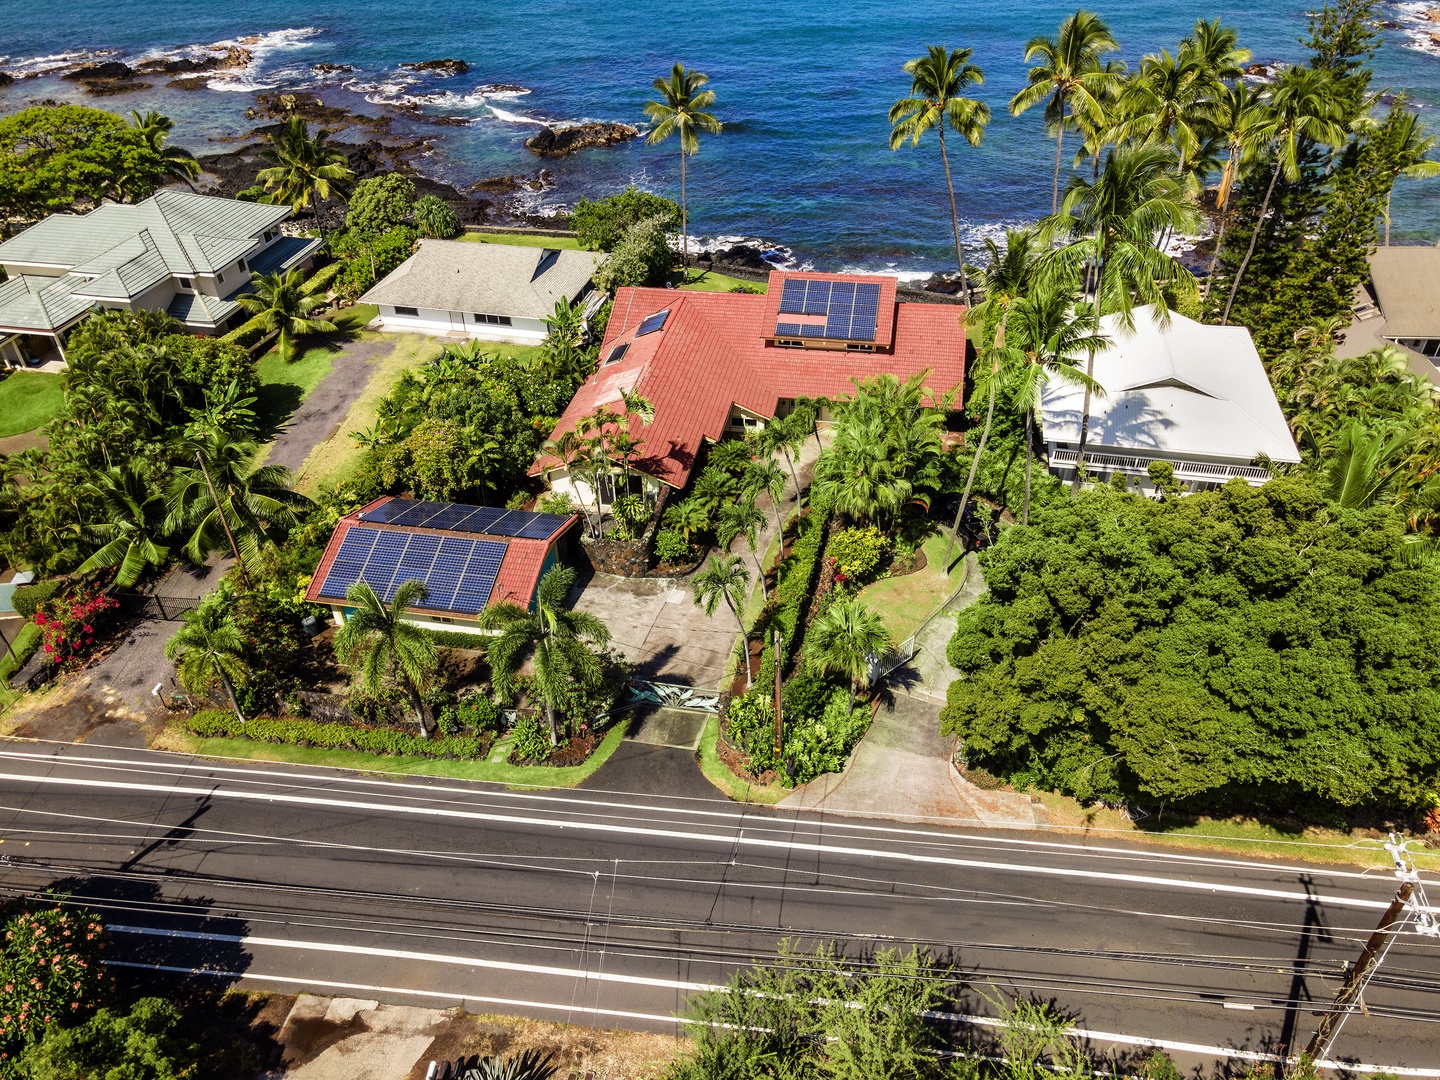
point(153, 606)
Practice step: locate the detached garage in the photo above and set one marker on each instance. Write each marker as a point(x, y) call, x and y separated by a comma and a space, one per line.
point(492, 292)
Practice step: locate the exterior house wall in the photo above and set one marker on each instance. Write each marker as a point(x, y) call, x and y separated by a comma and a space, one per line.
point(16, 270)
point(432, 321)
point(582, 492)
point(156, 299)
point(458, 624)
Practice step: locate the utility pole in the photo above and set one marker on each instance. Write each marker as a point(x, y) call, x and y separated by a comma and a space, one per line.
point(1409, 900)
point(779, 738)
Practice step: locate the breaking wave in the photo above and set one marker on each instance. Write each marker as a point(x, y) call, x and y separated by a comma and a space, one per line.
point(1422, 34)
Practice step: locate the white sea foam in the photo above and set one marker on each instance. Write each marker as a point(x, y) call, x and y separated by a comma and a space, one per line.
point(262, 73)
point(23, 68)
point(1418, 30)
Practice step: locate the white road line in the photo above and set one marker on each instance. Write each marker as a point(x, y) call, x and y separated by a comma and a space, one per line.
point(409, 791)
point(965, 1018)
point(724, 839)
point(255, 941)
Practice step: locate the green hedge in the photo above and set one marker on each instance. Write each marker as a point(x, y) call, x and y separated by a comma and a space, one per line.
point(28, 597)
point(456, 639)
point(26, 642)
point(217, 723)
point(248, 334)
point(798, 574)
point(320, 280)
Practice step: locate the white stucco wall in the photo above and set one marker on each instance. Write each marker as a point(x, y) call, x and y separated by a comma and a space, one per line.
point(431, 321)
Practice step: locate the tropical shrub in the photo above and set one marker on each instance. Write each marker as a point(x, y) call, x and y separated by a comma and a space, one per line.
point(215, 723)
point(643, 257)
point(672, 547)
point(368, 257)
point(532, 742)
point(1242, 648)
point(50, 973)
point(791, 600)
point(70, 623)
point(601, 225)
point(750, 727)
point(144, 1044)
point(29, 597)
point(821, 744)
point(380, 203)
point(857, 552)
point(476, 713)
point(435, 218)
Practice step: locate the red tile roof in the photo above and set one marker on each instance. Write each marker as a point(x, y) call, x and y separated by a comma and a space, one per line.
point(514, 584)
point(712, 353)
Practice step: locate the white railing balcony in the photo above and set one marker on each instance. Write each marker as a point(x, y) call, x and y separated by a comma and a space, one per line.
point(1130, 465)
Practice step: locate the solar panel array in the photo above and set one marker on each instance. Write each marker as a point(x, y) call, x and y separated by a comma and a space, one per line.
point(651, 323)
point(458, 573)
point(851, 309)
point(457, 517)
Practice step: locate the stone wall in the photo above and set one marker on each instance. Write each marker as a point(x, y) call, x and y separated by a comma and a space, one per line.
point(626, 558)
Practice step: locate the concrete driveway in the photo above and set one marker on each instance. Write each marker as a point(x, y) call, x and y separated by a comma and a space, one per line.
point(654, 622)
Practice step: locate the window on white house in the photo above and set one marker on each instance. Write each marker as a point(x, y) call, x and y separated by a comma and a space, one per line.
point(412, 312)
point(185, 283)
point(493, 320)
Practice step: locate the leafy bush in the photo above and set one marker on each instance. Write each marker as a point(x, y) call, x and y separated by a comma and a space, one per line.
point(435, 218)
point(807, 694)
point(70, 623)
point(820, 744)
point(380, 203)
point(750, 726)
point(28, 598)
point(456, 639)
point(476, 713)
point(556, 502)
point(603, 223)
point(320, 280)
point(796, 587)
point(672, 547)
point(857, 552)
point(255, 193)
point(141, 1045)
point(532, 741)
point(368, 257)
point(214, 723)
point(50, 972)
point(643, 257)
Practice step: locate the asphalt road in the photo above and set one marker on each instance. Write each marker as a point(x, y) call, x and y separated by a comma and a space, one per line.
point(603, 908)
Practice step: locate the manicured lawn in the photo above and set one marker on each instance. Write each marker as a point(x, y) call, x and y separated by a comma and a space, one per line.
point(905, 602)
point(709, 281)
point(719, 774)
point(28, 399)
point(521, 240)
point(284, 385)
point(520, 776)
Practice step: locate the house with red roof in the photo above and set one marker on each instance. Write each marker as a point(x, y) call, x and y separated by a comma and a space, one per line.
point(469, 558)
point(721, 364)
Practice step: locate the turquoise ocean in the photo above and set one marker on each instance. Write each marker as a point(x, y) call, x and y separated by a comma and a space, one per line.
point(803, 164)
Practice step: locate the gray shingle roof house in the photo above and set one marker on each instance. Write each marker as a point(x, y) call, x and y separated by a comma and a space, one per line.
point(496, 292)
point(176, 251)
point(1406, 282)
point(1194, 395)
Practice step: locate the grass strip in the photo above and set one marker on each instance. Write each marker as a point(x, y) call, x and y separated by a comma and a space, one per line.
point(28, 399)
point(719, 774)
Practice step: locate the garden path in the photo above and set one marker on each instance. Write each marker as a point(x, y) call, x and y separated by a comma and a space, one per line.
point(929, 674)
point(329, 403)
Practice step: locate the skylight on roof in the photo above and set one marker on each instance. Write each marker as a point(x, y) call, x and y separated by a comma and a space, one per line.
point(653, 323)
point(617, 354)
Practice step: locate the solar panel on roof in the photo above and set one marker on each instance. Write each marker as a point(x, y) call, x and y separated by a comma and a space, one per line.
point(651, 323)
point(459, 574)
point(349, 561)
point(792, 297)
point(446, 572)
point(416, 561)
point(851, 309)
point(479, 519)
point(388, 511)
point(541, 526)
point(817, 298)
point(618, 353)
point(479, 576)
point(379, 570)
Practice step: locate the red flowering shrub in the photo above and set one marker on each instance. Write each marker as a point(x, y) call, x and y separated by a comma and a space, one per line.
point(50, 973)
point(69, 623)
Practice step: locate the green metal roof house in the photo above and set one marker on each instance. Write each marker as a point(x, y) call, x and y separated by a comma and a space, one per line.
point(176, 251)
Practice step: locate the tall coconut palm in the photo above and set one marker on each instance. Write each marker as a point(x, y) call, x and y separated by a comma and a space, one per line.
point(1069, 78)
point(283, 307)
point(743, 518)
point(725, 578)
point(224, 500)
point(1050, 337)
point(384, 647)
point(937, 84)
point(763, 475)
point(845, 640)
point(681, 111)
point(1217, 48)
point(1008, 275)
point(180, 164)
point(1241, 122)
point(303, 166)
point(1111, 225)
point(133, 525)
point(208, 649)
point(785, 435)
point(1409, 147)
point(1305, 107)
point(558, 639)
point(1168, 101)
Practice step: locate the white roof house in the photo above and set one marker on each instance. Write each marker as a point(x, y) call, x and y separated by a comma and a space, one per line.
point(1194, 395)
point(176, 251)
point(496, 292)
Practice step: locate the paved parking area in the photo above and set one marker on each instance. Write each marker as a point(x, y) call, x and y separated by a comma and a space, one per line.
point(654, 622)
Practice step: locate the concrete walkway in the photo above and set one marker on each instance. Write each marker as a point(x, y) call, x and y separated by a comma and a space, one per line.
point(929, 674)
point(902, 771)
point(326, 407)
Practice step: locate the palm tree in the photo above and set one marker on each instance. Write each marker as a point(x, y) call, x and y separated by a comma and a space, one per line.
point(764, 475)
point(845, 640)
point(384, 646)
point(1304, 108)
point(1241, 122)
point(303, 167)
point(681, 111)
point(558, 638)
point(687, 518)
point(785, 435)
point(1217, 48)
point(744, 518)
point(178, 162)
point(937, 101)
point(1168, 101)
point(999, 360)
point(1050, 337)
point(133, 527)
point(283, 307)
point(1364, 466)
point(569, 449)
point(724, 578)
point(207, 648)
point(1409, 146)
point(225, 500)
point(1009, 273)
point(1068, 78)
point(1113, 223)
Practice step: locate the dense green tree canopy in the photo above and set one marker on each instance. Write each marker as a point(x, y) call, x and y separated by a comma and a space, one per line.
point(380, 203)
point(1242, 646)
point(52, 156)
point(602, 224)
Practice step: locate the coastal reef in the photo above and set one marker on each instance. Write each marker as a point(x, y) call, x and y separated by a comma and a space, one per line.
point(553, 142)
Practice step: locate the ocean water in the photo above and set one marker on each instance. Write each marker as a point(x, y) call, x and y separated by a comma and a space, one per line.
point(803, 89)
